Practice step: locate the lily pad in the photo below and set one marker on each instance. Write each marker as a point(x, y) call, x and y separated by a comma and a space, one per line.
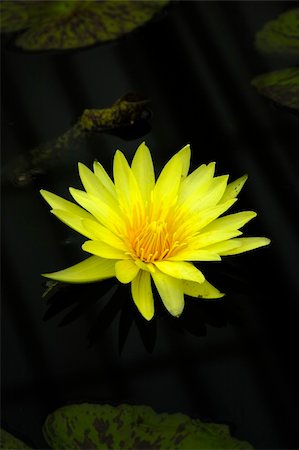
point(9, 442)
point(64, 25)
point(94, 426)
point(281, 86)
point(280, 36)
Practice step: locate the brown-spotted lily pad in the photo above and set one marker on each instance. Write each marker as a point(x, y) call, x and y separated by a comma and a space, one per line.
point(280, 36)
point(64, 25)
point(281, 86)
point(94, 426)
point(9, 442)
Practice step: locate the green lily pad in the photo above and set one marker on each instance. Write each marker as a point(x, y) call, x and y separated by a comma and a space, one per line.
point(281, 35)
point(281, 86)
point(64, 25)
point(9, 442)
point(93, 426)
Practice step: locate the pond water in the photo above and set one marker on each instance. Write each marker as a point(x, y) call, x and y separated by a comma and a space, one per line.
point(228, 361)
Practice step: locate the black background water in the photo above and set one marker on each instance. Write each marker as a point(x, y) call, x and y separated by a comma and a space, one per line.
point(194, 63)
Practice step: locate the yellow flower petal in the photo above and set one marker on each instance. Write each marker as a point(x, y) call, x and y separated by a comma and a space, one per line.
point(223, 246)
point(180, 269)
point(100, 210)
point(231, 222)
point(148, 267)
point(234, 188)
point(92, 185)
point(57, 202)
point(125, 182)
point(87, 271)
point(126, 270)
point(197, 182)
point(104, 250)
point(143, 170)
point(73, 221)
point(168, 183)
point(142, 294)
point(203, 218)
point(212, 196)
point(185, 155)
point(246, 244)
point(202, 290)
point(104, 178)
point(171, 292)
point(100, 233)
point(195, 255)
point(211, 237)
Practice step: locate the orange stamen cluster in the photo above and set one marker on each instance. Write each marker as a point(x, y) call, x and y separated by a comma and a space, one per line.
point(153, 242)
point(152, 237)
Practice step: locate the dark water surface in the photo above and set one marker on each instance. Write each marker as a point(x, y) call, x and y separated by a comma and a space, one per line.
point(232, 361)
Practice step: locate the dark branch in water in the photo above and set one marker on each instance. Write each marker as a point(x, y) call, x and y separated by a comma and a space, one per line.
point(126, 118)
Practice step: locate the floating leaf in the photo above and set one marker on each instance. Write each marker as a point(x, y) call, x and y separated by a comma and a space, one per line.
point(9, 442)
point(280, 35)
point(64, 25)
point(281, 86)
point(15, 16)
point(94, 426)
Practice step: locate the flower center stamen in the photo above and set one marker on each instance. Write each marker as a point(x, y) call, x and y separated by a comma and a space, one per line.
point(153, 242)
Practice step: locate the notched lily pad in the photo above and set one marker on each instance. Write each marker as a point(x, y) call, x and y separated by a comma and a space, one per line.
point(9, 442)
point(92, 426)
point(280, 36)
point(281, 86)
point(64, 25)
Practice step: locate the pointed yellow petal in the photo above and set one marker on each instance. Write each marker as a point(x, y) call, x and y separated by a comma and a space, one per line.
point(104, 178)
point(171, 292)
point(101, 211)
point(185, 155)
point(203, 218)
point(180, 269)
point(100, 233)
point(246, 244)
point(142, 294)
point(213, 194)
point(143, 169)
point(231, 221)
point(57, 202)
point(93, 186)
point(195, 184)
point(73, 221)
point(211, 237)
point(202, 290)
point(87, 271)
point(234, 188)
point(125, 182)
point(104, 250)
point(126, 271)
point(168, 183)
point(223, 246)
point(195, 255)
point(90, 182)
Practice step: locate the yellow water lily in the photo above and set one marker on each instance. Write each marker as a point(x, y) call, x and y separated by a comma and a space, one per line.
point(141, 229)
